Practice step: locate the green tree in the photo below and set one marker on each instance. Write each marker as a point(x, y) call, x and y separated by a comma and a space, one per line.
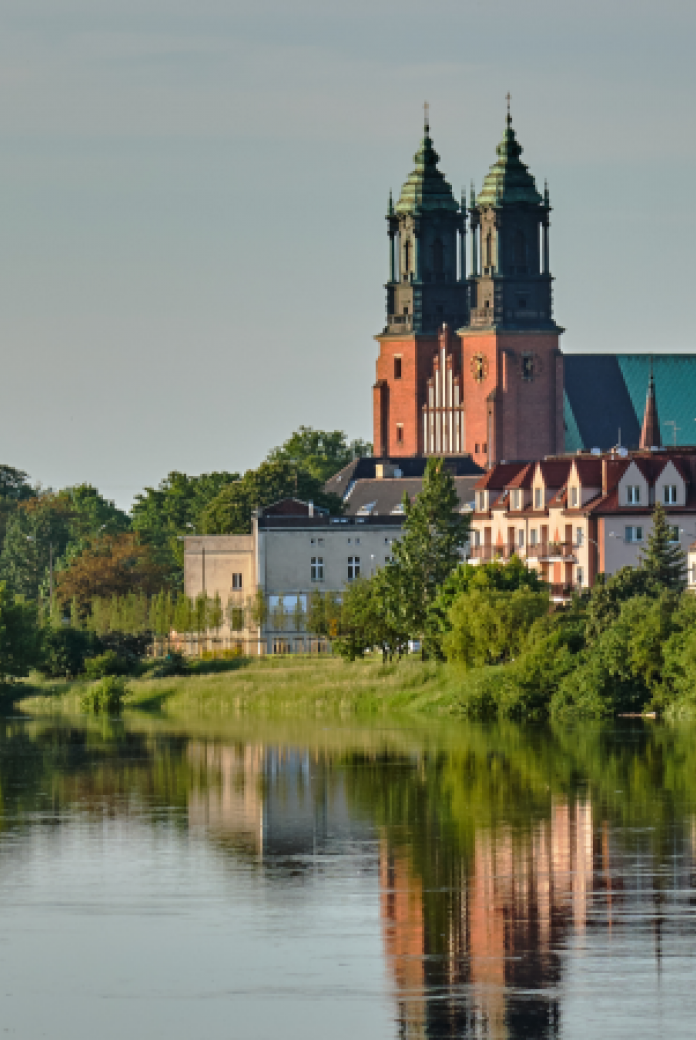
point(488, 626)
point(19, 636)
point(320, 452)
point(231, 511)
point(14, 488)
point(165, 514)
point(430, 546)
point(663, 559)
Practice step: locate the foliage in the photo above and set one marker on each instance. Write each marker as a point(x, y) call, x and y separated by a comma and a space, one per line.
point(231, 511)
point(163, 515)
point(429, 549)
point(173, 664)
point(14, 488)
point(115, 565)
point(663, 560)
point(488, 626)
point(108, 663)
point(105, 697)
point(19, 636)
point(64, 650)
point(319, 452)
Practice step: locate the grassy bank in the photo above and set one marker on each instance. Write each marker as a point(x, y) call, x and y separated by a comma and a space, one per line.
point(280, 686)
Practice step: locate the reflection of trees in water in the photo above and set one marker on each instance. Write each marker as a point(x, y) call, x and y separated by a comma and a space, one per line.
point(493, 848)
point(493, 840)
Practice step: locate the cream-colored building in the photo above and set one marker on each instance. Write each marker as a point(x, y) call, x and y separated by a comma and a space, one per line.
point(572, 517)
point(265, 579)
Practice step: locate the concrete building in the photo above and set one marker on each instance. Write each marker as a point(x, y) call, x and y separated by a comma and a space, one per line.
point(264, 579)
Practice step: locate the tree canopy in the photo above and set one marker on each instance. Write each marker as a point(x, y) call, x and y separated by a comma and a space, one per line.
point(112, 566)
point(320, 452)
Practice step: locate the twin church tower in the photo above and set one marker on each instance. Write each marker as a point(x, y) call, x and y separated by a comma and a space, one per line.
point(469, 359)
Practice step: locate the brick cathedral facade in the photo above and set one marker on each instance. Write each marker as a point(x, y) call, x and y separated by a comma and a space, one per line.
point(469, 359)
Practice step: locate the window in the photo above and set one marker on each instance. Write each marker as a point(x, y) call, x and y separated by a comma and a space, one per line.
point(388, 541)
point(579, 536)
point(353, 567)
point(633, 493)
point(357, 541)
point(574, 496)
point(407, 257)
point(674, 534)
point(579, 576)
point(482, 501)
point(634, 534)
point(520, 539)
point(399, 434)
point(537, 498)
point(670, 494)
point(236, 581)
point(317, 568)
point(515, 500)
point(489, 249)
point(476, 449)
point(388, 559)
point(476, 539)
point(484, 448)
point(533, 537)
point(397, 368)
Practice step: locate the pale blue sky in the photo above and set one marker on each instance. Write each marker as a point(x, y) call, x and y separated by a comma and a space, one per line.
point(192, 235)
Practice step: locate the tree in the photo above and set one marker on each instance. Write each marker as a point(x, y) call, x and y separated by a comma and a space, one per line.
point(164, 514)
point(230, 512)
point(113, 566)
point(430, 547)
point(14, 488)
point(19, 636)
point(319, 452)
point(491, 627)
point(663, 560)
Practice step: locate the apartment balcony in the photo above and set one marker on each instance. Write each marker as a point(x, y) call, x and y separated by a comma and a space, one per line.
point(400, 322)
point(561, 593)
point(553, 552)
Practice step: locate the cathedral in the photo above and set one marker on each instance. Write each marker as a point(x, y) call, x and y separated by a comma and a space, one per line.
point(470, 362)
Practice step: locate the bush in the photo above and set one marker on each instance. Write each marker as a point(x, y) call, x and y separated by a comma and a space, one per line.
point(106, 697)
point(173, 664)
point(64, 649)
point(105, 664)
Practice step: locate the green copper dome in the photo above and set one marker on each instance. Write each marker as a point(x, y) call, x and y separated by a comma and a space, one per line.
point(426, 189)
point(508, 180)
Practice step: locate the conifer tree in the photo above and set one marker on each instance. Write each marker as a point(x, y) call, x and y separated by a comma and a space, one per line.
point(663, 560)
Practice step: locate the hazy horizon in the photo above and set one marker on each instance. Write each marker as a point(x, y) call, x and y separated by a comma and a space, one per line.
point(193, 245)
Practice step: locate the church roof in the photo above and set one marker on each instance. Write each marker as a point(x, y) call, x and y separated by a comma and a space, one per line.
point(427, 188)
point(508, 180)
point(650, 431)
point(605, 393)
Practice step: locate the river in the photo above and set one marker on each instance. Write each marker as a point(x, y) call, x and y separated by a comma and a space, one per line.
point(263, 879)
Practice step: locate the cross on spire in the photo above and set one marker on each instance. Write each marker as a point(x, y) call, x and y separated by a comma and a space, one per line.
point(508, 99)
point(426, 115)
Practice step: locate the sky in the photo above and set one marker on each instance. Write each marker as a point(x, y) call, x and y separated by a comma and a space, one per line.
point(192, 196)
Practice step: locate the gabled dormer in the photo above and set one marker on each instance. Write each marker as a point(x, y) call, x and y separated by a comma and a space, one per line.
point(634, 487)
point(584, 482)
point(671, 487)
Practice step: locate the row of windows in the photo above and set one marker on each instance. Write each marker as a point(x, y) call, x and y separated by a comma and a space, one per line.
point(631, 534)
point(632, 491)
point(317, 567)
point(356, 541)
point(669, 494)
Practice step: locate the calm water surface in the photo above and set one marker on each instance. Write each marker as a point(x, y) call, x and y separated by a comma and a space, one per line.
point(285, 880)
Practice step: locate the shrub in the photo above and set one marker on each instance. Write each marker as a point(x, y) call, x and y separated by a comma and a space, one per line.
point(109, 663)
point(173, 664)
point(64, 649)
point(106, 696)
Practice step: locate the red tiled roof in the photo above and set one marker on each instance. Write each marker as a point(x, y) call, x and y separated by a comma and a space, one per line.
point(498, 477)
point(523, 478)
point(554, 472)
point(589, 471)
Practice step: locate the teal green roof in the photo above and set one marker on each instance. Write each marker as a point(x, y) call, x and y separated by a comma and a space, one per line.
point(573, 440)
point(606, 393)
point(508, 180)
point(426, 189)
point(675, 391)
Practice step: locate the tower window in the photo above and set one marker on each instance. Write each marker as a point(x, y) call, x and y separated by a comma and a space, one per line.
point(407, 256)
point(397, 368)
point(489, 249)
point(399, 434)
point(484, 448)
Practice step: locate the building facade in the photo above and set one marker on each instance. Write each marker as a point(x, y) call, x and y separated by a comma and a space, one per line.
point(572, 517)
point(265, 579)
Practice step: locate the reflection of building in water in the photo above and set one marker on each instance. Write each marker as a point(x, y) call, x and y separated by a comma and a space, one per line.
point(272, 801)
point(487, 965)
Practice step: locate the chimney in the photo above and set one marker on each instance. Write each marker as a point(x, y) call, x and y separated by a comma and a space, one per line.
point(650, 433)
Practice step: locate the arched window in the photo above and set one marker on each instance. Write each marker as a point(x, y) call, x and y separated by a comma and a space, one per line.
point(489, 250)
point(438, 256)
point(520, 248)
point(407, 256)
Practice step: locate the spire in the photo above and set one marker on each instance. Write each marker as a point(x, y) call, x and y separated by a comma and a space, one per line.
point(472, 197)
point(650, 433)
point(426, 189)
point(390, 209)
point(509, 180)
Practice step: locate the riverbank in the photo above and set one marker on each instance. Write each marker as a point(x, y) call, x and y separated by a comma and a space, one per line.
point(280, 686)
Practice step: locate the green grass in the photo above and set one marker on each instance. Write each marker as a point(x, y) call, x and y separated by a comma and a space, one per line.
point(279, 686)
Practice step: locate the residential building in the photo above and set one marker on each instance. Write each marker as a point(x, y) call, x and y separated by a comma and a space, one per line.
point(573, 516)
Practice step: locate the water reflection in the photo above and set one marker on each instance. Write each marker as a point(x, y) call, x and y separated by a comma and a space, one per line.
point(522, 883)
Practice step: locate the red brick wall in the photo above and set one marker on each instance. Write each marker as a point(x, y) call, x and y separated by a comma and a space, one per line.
point(404, 397)
point(527, 417)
